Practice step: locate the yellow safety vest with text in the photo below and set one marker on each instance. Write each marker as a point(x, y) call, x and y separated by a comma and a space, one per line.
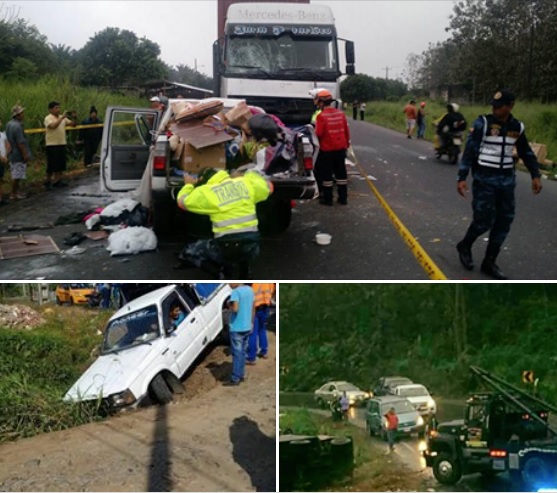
point(229, 202)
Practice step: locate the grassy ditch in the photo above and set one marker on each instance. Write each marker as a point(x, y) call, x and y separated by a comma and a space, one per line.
point(37, 367)
point(540, 119)
point(374, 471)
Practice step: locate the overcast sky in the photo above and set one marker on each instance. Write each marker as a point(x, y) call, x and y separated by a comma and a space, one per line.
point(385, 31)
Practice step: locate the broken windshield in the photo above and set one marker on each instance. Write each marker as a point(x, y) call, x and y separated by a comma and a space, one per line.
point(131, 330)
point(251, 55)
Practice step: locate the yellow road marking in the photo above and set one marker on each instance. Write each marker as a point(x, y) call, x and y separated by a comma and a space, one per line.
point(421, 255)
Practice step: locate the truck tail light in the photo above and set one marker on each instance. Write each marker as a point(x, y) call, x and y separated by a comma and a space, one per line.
point(498, 453)
point(308, 163)
point(159, 163)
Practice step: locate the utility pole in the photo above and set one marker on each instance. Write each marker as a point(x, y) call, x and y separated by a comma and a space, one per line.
point(386, 69)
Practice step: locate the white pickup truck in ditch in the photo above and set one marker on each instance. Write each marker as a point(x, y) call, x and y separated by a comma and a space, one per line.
point(138, 159)
point(145, 352)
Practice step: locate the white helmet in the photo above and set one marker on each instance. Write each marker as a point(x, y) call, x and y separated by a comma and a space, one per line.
point(455, 106)
point(315, 91)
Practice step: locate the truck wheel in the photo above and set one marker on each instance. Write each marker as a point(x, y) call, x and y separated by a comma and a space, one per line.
point(160, 391)
point(537, 471)
point(162, 217)
point(58, 301)
point(446, 469)
point(274, 216)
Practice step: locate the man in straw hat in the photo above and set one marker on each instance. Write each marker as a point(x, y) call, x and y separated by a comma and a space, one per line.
point(20, 153)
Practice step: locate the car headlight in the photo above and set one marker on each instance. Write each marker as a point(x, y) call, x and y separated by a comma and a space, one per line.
point(431, 403)
point(420, 421)
point(125, 398)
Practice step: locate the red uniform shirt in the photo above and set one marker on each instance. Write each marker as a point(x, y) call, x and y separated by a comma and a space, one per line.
point(332, 130)
point(392, 421)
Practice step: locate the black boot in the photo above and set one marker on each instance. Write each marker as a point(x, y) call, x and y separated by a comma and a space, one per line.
point(327, 198)
point(489, 266)
point(465, 255)
point(342, 194)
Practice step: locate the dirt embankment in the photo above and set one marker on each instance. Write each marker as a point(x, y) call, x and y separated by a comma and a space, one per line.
point(213, 438)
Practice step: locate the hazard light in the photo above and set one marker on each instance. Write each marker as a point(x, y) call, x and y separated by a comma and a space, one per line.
point(498, 453)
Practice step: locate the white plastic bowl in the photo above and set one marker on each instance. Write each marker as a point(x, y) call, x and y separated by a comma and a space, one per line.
point(323, 238)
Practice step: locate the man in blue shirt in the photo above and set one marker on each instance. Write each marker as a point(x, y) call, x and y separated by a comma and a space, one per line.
point(241, 322)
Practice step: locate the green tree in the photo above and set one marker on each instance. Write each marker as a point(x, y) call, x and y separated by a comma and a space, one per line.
point(22, 69)
point(115, 57)
point(187, 75)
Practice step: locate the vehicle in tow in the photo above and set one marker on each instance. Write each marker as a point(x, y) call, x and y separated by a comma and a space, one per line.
point(145, 352)
point(504, 430)
point(331, 391)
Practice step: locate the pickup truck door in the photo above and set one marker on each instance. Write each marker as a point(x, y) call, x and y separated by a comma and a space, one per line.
point(126, 143)
point(212, 308)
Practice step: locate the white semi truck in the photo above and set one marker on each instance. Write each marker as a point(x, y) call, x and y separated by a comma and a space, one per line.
point(273, 54)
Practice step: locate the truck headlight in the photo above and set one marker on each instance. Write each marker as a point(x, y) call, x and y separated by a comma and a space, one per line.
point(125, 398)
point(420, 421)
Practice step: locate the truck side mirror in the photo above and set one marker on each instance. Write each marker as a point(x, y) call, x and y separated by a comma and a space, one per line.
point(350, 53)
point(350, 69)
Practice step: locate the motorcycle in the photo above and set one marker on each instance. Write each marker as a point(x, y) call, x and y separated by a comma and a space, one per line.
point(451, 147)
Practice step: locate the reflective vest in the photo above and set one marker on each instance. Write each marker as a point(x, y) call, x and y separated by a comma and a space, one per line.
point(229, 202)
point(263, 293)
point(496, 148)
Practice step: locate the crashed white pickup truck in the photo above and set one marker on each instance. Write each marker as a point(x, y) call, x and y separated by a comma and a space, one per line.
point(136, 156)
point(145, 352)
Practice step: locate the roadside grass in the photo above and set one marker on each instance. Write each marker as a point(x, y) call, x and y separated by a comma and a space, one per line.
point(373, 471)
point(37, 367)
point(35, 96)
point(539, 119)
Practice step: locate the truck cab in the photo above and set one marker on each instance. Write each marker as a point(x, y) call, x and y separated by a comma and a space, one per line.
point(273, 54)
point(136, 157)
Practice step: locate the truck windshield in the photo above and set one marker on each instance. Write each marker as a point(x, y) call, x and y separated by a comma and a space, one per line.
point(132, 329)
point(272, 56)
point(413, 391)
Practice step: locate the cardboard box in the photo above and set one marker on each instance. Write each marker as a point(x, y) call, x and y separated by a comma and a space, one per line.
point(192, 160)
point(238, 115)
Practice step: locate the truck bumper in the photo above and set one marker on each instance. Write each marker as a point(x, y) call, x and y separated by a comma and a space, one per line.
point(301, 188)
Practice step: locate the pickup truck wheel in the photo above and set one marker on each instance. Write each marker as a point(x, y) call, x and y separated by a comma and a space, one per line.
point(160, 391)
point(162, 217)
point(274, 215)
point(446, 469)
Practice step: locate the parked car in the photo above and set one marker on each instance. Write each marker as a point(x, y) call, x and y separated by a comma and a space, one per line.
point(387, 384)
point(74, 294)
point(409, 420)
point(144, 353)
point(419, 396)
point(333, 390)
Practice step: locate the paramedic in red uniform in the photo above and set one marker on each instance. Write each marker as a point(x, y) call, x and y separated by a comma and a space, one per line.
point(332, 130)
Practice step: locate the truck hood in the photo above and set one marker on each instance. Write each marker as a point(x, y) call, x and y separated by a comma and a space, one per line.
point(420, 399)
point(113, 373)
point(451, 427)
point(356, 394)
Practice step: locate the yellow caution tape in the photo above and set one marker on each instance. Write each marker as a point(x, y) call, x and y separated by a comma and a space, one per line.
point(423, 258)
point(77, 127)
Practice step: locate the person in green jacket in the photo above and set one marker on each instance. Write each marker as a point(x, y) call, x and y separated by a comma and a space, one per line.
point(230, 203)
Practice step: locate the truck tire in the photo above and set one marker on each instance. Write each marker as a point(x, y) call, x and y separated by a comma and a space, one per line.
point(447, 469)
point(163, 213)
point(274, 215)
point(58, 301)
point(537, 470)
point(160, 391)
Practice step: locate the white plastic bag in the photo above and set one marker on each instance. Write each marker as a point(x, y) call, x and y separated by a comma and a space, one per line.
point(131, 240)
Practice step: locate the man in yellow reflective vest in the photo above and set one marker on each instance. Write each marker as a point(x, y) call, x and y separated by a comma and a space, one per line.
point(231, 205)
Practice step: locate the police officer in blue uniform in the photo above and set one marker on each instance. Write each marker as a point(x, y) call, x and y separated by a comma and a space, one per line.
point(488, 153)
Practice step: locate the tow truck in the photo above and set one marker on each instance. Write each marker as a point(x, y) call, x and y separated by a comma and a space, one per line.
point(505, 429)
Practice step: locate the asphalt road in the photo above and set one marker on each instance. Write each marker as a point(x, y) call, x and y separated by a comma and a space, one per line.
point(407, 449)
point(365, 245)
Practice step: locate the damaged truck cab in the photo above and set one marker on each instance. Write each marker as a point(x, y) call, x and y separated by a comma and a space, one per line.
point(137, 156)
